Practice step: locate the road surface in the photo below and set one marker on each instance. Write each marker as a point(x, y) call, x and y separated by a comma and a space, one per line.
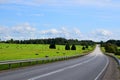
point(89, 67)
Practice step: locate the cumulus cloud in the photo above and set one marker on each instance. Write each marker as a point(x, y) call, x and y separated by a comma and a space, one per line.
point(23, 28)
point(102, 34)
point(5, 33)
point(51, 31)
point(27, 31)
point(63, 32)
point(22, 31)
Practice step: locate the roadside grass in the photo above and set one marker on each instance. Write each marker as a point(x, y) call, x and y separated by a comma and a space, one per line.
point(4, 67)
point(103, 49)
point(118, 56)
point(29, 51)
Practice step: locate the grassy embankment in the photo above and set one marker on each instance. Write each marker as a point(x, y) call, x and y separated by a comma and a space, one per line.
point(118, 56)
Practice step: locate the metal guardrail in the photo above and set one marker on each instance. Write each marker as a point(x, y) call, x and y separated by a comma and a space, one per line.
point(43, 60)
point(113, 56)
point(27, 60)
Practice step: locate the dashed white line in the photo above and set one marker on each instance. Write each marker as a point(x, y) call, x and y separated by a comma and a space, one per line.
point(60, 70)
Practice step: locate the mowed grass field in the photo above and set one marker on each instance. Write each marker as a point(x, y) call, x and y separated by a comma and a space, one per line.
point(29, 51)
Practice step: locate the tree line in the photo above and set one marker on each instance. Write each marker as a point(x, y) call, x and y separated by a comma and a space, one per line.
point(111, 46)
point(58, 41)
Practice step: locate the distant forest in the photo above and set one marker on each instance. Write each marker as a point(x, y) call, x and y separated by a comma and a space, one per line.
point(58, 41)
point(111, 46)
point(115, 42)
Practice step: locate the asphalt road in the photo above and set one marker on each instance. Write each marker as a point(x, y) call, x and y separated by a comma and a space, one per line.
point(89, 67)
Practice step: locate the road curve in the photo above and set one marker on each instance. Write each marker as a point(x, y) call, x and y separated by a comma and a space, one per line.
point(89, 67)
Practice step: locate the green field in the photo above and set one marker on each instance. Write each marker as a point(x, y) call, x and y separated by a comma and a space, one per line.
point(118, 56)
point(28, 51)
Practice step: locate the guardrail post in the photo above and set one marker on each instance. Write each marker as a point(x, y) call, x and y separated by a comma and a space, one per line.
point(42, 61)
point(30, 62)
point(20, 64)
point(57, 59)
point(9, 66)
point(47, 60)
point(51, 60)
point(37, 62)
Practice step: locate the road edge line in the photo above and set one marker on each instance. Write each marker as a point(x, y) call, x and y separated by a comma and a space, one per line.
point(103, 70)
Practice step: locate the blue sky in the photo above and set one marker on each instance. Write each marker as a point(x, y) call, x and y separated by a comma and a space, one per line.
point(77, 19)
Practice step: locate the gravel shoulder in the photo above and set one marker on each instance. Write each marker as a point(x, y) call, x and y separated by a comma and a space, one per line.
point(112, 72)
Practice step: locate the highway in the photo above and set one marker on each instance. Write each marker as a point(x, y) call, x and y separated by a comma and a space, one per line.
point(89, 67)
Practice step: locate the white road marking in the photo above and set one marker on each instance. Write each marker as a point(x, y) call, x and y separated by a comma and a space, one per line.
point(60, 70)
point(102, 70)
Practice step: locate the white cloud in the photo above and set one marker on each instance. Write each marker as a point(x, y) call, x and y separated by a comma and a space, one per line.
point(23, 31)
point(27, 31)
point(51, 31)
point(23, 28)
point(3, 29)
point(102, 34)
point(5, 33)
point(65, 32)
point(77, 31)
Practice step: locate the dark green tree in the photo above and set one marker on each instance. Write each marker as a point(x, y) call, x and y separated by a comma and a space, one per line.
point(111, 48)
point(83, 48)
point(52, 46)
point(73, 47)
point(101, 43)
point(86, 46)
point(117, 53)
point(67, 46)
point(11, 40)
